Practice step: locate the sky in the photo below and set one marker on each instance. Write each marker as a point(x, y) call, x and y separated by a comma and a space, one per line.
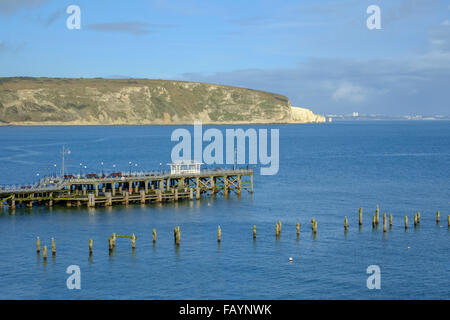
point(320, 54)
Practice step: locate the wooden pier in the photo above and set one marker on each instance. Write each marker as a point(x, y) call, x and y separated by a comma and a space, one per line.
point(93, 190)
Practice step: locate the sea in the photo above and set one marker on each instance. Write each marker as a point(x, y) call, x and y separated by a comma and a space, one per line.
point(326, 172)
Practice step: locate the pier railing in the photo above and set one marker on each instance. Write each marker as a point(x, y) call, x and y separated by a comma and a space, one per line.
point(58, 183)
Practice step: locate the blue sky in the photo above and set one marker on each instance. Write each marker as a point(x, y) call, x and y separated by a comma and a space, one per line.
point(318, 53)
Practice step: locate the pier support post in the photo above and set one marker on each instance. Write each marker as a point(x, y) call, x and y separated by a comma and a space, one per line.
point(438, 217)
point(108, 199)
point(133, 242)
point(197, 192)
point(225, 186)
point(142, 193)
point(345, 224)
point(13, 202)
point(360, 216)
point(113, 189)
point(390, 220)
point(146, 186)
point(219, 234)
point(191, 194)
point(385, 222)
point(239, 185)
point(96, 190)
point(251, 182)
point(159, 193)
point(126, 196)
point(254, 231)
point(297, 226)
point(406, 222)
point(154, 235)
point(91, 200)
point(176, 194)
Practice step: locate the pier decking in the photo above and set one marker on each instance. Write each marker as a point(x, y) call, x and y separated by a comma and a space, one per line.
point(100, 190)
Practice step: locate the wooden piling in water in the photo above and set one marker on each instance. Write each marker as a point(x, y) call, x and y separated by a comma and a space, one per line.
point(113, 239)
point(154, 235)
point(297, 227)
point(438, 216)
point(448, 220)
point(374, 221)
point(44, 252)
point(406, 222)
point(90, 246)
point(133, 241)
point(377, 215)
point(418, 216)
point(53, 247)
point(219, 234)
point(278, 228)
point(314, 225)
point(415, 219)
point(254, 231)
point(385, 222)
point(390, 220)
point(177, 235)
point(110, 244)
point(345, 224)
point(360, 216)
point(38, 245)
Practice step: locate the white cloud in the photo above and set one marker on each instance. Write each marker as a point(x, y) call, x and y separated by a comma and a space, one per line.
point(350, 93)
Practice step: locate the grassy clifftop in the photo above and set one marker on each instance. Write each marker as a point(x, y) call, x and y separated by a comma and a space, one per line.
point(136, 101)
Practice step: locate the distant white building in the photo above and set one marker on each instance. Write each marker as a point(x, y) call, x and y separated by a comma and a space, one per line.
point(355, 114)
point(185, 167)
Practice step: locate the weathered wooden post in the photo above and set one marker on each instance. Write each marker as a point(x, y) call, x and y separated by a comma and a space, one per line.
point(377, 215)
point(279, 223)
point(91, 200)
point(219, 234)
point(254, 231)
point(154, 235)
point(110, 244)
point(53, 247)
point(113, 240)
point(297, 226)
point(133, 242)
point(191, 194)
point(277, 229)
point(345, 224)
point(448, 220)
point(108, 199)
point(415, 219)
point(390, 220)
point(438, 216)
point(90, 246)
point(178, 235)
point(126, 197)
point(406, 222)
point(44, 252)
point(360, 216)
point(38, 245)
point(374, 221)
point(418, 216)
point(314, 225)
point(142, 194)
point(385, 222)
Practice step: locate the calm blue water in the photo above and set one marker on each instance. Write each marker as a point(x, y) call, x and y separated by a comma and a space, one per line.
point(326, 171)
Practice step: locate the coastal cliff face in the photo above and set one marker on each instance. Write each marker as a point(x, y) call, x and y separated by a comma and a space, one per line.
point(53, 101)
